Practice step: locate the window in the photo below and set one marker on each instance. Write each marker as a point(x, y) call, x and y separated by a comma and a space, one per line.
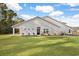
point(33, 33)
point(24, 28)
point(69, 31)
point(28, 28)
point(46, 31)
point(22, 33)
point(28, 33)
point(32, 28)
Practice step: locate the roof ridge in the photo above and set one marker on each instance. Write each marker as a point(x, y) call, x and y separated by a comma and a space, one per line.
point(26, 21)
point(57, 21)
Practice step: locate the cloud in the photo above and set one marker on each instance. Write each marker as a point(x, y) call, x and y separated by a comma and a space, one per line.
point(76, 16)
point(44, 9)
point(56, 13)
point(25, 5)
point(74, 9)
point(72, 21)
point(26, 17)
point(14, 6)
point(32, 8)
point(70, 4)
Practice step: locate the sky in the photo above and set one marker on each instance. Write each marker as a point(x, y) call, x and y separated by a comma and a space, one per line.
point(65, 12)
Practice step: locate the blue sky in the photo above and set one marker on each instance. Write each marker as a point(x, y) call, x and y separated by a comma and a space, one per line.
point(65, 8)
point(65, 12)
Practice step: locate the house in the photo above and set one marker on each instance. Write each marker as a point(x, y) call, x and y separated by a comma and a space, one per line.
point(42, 26)
point(76, 31)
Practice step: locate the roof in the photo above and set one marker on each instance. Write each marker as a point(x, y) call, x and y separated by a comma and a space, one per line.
point(57, 21)
point(43, 18)
point(75, 28)
point(24, 22)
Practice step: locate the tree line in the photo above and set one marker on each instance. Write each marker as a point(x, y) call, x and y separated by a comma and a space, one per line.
point(6, 19)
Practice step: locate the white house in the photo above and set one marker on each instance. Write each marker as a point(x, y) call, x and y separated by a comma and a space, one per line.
point(42, 26)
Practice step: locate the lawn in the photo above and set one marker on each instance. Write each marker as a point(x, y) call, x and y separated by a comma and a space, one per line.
point(39, 45)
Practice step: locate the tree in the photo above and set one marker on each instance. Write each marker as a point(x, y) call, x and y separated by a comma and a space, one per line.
point(6, 22)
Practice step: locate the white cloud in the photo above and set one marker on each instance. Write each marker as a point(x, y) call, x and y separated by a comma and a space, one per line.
point(25, 5)
point(76, 16)
point(56, 13)
point(45, 9)
point(26, 17)
point(71, 4)
point(32, 8)
point(69, 20)
point(14, 6)
point(74, 9)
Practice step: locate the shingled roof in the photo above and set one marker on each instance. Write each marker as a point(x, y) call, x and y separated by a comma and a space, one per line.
point(43, 18)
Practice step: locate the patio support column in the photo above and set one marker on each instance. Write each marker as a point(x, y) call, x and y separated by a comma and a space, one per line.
point(13, 31)
point(20, 31)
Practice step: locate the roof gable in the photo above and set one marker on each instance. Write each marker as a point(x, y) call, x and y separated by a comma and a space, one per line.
point(25, 21)
point(33, 19)
point(51, 20)
point(43, 18)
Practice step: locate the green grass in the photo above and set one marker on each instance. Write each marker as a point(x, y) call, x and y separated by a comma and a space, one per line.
point(39, 45)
